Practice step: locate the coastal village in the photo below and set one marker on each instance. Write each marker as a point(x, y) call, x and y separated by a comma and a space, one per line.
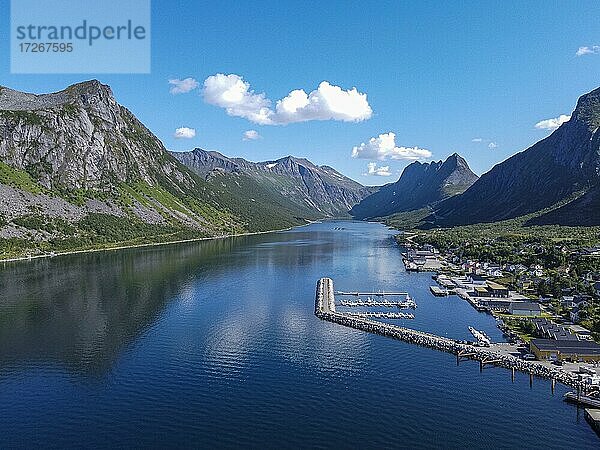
point(548, 328)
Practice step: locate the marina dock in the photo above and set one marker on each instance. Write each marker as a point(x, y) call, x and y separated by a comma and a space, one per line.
point(574, 397)
point(378, 294)
point(325, 310)
point(382, 315)
point(381, 304)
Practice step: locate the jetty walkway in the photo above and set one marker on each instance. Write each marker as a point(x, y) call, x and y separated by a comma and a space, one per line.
point(325, 310)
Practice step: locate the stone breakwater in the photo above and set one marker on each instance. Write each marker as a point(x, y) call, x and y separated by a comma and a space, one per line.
point(325, 310)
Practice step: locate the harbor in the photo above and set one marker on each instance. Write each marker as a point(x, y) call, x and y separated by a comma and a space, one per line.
point(482, 351)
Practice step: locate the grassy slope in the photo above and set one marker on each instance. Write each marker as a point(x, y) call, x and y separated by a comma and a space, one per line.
point(259, 207)
point(226, 208)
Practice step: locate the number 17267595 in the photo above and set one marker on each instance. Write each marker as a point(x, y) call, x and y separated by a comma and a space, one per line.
point(46, 47)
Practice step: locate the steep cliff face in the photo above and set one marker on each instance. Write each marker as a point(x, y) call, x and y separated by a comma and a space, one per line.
point(420, 185)
point(81, 138)
point(563, 164)
point(321, 189)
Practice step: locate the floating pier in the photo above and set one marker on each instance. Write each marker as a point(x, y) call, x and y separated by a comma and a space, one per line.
point(325, 310)
point(379, 304)
point(438, 292)
point(381, 315)
point(593, 418)
point(378, 294)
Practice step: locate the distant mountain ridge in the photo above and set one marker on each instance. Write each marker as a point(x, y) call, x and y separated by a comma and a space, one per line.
point(564, 164)
point(322, 189)
point(419, 186)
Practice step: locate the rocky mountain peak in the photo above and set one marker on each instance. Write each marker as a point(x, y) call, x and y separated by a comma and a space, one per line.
point(297, 180)
point(551, 171)
point(294, 162)
point(85, 94)
point(81, 137)
point(455, 160)
point(420, 185)
point(588, 109)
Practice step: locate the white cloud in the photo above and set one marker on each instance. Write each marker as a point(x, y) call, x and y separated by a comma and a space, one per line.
point(492, 145)
point(552, 124)
point(251, 135)
point(587, 50)
point(184, 133)
point(234, 94)
point(383, 171)
point(477, 140)
point(182, 86)
point(327, 102)
point(384, 147)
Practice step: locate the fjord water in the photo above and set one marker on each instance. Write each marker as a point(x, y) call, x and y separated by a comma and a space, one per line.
point(215, 343)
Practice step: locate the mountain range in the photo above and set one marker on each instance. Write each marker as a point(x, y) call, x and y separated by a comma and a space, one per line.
point(78, 170)
point(295, 181)
point(419, 186)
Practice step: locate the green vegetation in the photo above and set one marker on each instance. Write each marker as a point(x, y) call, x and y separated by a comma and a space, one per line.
point(18, 179)
point(69, 109)
point(80, 196)
point(519, 325)
point(38, 170)
point(591, 320)
point(25, 117)
point(553, 248)
point(95, 231)
point(408, 220)
point(104, 228)
point(218, 209)
point(258, 207)
point(45, 223)
point(511, 242)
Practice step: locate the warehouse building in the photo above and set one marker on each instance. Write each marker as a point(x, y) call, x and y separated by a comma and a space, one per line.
point(565, 350)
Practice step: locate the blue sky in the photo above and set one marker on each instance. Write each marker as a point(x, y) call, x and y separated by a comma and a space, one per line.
point(437, 74)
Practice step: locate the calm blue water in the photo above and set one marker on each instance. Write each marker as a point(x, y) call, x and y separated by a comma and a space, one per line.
point(215, 344)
